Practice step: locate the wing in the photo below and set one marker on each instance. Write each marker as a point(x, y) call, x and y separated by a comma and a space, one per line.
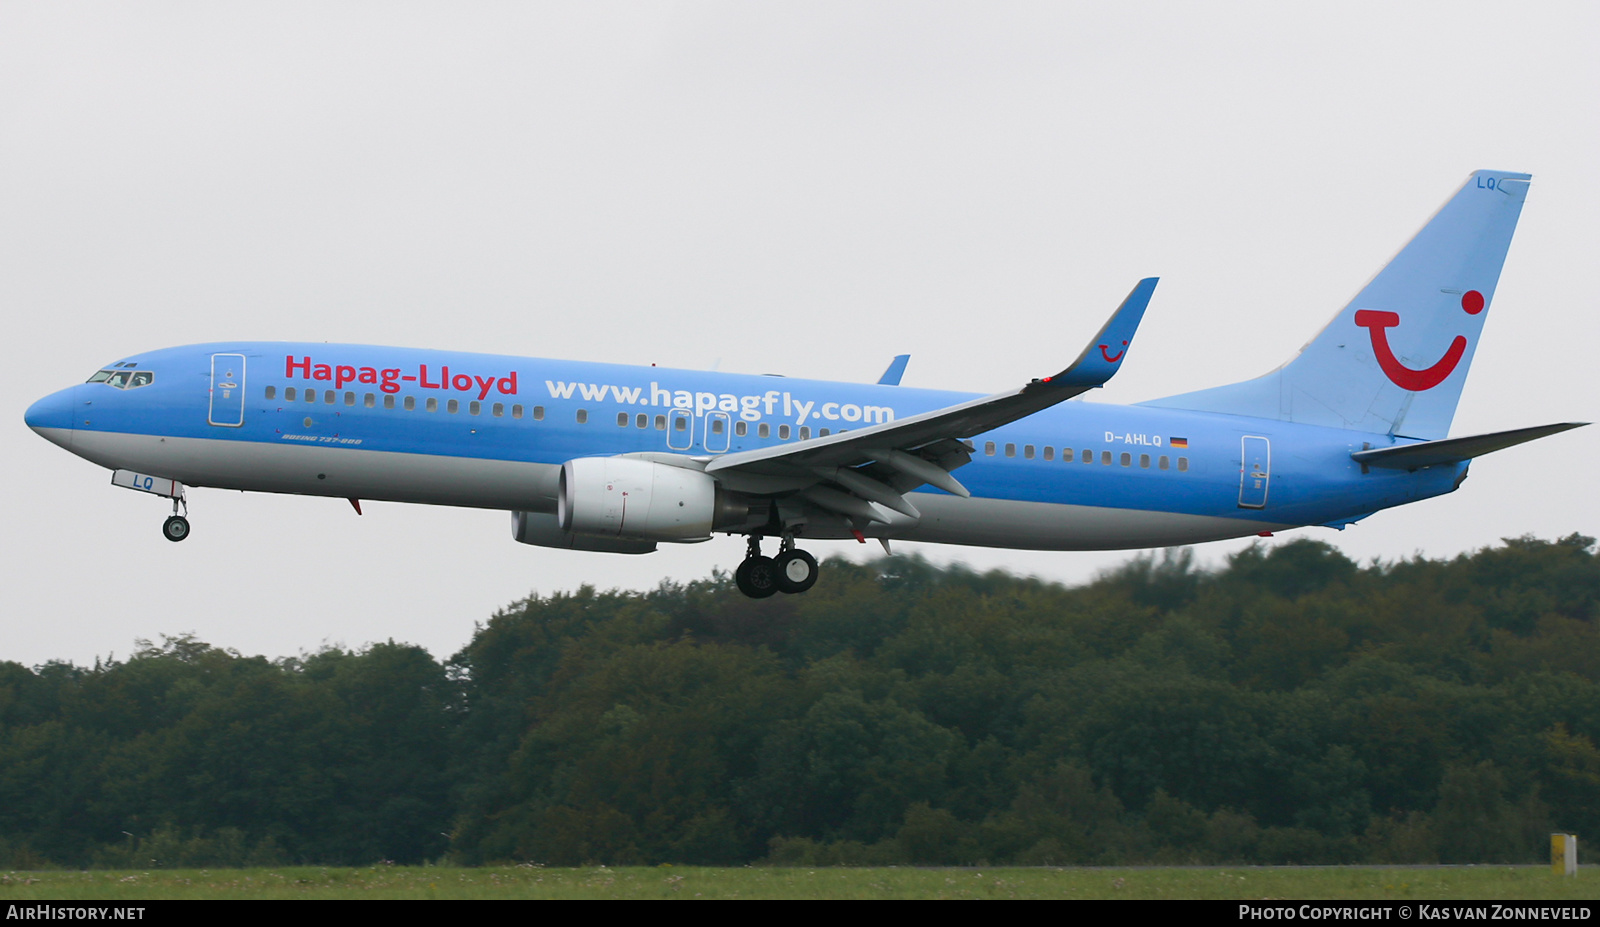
point(880, 463)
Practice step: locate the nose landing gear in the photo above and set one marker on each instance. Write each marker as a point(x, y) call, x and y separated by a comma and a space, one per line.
point(792, 571)
point(176, 527)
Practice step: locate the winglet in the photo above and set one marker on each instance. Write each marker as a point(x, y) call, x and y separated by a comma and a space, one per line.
point(897, 369)
point(1100, 360)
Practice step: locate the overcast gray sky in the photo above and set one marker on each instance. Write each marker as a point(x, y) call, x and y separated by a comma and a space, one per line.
point(805, 188)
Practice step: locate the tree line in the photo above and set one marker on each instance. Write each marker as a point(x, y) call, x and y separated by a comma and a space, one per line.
point(1289, 706)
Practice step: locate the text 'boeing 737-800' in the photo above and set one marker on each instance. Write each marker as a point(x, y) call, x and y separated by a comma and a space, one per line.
point(619, 459)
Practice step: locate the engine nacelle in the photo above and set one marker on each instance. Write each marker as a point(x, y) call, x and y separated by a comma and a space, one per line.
point(631, 498)
point(541, 530)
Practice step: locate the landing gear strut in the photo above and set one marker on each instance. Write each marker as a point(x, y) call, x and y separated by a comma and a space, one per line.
point(792, 571)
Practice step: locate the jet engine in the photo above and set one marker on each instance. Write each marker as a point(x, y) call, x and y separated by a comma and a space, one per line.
point(541, 530)
point(631, 498)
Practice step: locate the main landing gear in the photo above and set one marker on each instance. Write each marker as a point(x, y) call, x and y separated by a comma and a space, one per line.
point(792, 571)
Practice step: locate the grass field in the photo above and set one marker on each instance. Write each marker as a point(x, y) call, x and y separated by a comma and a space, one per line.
point(397, 882)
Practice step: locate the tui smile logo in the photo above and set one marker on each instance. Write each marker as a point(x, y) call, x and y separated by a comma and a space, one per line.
point(1105, 352)
point(1378, 323)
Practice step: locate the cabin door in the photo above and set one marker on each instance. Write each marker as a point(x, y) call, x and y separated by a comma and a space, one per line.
point(715, 435)
point(680, 429)
point(1255, 471)
point(227, 390)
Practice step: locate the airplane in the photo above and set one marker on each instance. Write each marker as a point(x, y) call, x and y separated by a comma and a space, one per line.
point(611, 458)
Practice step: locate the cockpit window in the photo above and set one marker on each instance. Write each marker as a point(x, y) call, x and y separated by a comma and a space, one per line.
point(124, 379)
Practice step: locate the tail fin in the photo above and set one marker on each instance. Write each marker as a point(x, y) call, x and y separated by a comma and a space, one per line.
point(1394, 360)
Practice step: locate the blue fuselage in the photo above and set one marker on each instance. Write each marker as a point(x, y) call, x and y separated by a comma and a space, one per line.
point(367, 422)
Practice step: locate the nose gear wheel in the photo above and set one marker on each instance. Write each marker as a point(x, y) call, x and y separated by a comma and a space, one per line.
point(175, 528)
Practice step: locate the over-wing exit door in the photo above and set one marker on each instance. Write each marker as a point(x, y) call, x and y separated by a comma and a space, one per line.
point(227, 390)
point(1255, 470)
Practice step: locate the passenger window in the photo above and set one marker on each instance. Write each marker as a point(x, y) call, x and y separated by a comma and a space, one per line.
point(388, 401)
point(370, 401)
point(1163, 463)
point(272, 392)
point(764, 430)
point(741, 429)
point(538, 413)
point(1144, 461)
point(349, 398)
point(971, 448)
point(641, 421)
point(1183, 464)
point(717, 426)
point(823, 432)
point(453, 406)
point(516, 410)
point(411, 403)
point(433, 404)
point(1105, 458)
point(622, 419)
point(311, 395)
point(474, 407)
point(1127, 459)
point(680, 423)
point(783, 432)
point(1011, 450)
point(288, 393)
point(1087, 456)
point(988, 448)
point(1027, 451)
point(661, 423)
point(583, 416)
point(330, 397)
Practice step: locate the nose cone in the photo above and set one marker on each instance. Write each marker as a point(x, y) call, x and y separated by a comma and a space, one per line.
point(52, 417)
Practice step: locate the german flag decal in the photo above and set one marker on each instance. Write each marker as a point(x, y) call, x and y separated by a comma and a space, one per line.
point(1178, 442)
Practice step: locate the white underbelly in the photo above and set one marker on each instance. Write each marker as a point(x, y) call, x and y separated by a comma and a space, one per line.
point(524, 486)
point(328, 471)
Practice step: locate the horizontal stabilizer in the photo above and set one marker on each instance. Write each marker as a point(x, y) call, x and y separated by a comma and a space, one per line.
point(1454, 450)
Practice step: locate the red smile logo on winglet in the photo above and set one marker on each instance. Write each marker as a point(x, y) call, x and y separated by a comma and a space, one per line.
point(1377, 324)
point(1105, 352)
